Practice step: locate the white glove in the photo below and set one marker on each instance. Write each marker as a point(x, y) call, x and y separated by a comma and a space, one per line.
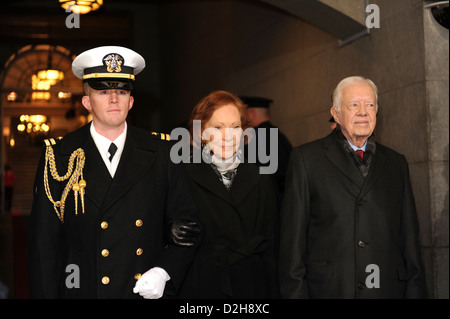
point(152, 283)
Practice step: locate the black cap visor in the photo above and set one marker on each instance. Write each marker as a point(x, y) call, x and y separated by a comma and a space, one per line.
point(108, 84)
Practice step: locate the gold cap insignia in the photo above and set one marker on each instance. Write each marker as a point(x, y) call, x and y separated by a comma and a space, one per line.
point(113, 62)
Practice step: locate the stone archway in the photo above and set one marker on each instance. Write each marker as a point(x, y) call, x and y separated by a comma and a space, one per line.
point(61, 107)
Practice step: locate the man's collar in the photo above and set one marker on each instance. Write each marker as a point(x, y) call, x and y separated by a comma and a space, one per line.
point(357, 148)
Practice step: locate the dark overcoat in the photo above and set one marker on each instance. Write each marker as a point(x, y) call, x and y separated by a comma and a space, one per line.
point(343, 236)
point(121, 234)
point(284, 148)
point(237, 255)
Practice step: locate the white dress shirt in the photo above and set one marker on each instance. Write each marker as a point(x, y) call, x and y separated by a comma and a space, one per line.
point(356, 147)
point(103, 144)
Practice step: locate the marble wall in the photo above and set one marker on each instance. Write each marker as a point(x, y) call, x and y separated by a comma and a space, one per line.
point(437, 105)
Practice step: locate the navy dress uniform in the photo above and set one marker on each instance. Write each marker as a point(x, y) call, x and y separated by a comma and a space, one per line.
point(93, 235)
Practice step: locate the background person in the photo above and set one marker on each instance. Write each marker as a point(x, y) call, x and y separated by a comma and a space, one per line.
point(9, 181)
point(258, 114)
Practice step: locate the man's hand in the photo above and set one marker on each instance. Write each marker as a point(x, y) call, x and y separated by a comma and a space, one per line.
point(152, 283)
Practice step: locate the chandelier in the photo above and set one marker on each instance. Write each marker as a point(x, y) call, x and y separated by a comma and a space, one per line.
point(44, 79)
point(33, 124)
point(12, 96)
point(81, 6)
point(52, 76)
point(40, 88)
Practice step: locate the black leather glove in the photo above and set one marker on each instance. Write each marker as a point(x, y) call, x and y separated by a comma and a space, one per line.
point(183, 233)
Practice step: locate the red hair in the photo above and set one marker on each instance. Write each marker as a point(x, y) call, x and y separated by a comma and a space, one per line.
point(204, 110)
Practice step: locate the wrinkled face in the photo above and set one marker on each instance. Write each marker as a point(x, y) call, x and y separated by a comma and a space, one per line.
point(109, 107)
point(223, 131)
point(357, 116)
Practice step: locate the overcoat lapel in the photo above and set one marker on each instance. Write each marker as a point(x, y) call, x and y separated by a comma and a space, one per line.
point(243, 183)
point(95, 172)
point(205, 176)
point(375, 171)
point(246, 179)
point(137, 158)
point(336, 155)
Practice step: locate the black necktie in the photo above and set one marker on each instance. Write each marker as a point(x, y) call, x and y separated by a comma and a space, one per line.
point(112, 150)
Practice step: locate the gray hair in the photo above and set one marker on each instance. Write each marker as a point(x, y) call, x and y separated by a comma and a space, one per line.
point(337, 94)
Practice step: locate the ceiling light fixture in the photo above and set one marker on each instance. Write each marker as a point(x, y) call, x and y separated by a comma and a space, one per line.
point(81, 6)
point(33, 124)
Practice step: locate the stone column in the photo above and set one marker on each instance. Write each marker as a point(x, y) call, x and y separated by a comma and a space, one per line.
point(437, 90)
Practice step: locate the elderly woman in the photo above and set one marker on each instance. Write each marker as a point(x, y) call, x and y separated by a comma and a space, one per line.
point(237, 209)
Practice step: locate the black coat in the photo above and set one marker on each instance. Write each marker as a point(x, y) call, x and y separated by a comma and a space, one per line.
point(284, 148)
point(146, 192)
point(335, 223)
point(237, 256)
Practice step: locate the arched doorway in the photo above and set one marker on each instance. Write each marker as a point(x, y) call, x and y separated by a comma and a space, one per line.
point(23, 95)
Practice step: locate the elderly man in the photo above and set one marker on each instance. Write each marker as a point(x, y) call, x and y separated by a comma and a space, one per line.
point(349, 223)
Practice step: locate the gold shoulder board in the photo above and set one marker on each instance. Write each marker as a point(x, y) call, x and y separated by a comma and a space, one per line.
point(52, 141)
point(163, 136)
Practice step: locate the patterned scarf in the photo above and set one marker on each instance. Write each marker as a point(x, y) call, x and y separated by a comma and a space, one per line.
point(362, 164)
point(225, 169)
point(227, 177)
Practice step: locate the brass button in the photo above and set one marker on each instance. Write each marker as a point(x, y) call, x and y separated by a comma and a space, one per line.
point(104, 225)
point(139, 223)
point(138, 276)
point(105, 280)
point(105, 252)
point(139, 251)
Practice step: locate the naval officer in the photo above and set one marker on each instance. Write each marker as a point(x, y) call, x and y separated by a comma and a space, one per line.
point(106, 197)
